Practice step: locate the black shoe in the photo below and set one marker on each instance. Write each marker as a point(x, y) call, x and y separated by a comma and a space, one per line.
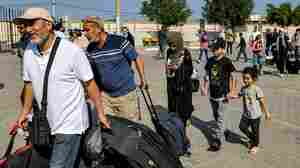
point(215, 146)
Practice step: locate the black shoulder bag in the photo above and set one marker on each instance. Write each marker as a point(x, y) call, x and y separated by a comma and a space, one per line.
point(41, 132)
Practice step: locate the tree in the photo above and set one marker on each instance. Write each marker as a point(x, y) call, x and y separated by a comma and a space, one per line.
point(283, 15)
point(166, 12)
point(229, 13)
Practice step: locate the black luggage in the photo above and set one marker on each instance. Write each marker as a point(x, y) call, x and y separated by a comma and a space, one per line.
point(132, 145)
point(171, 129)
point(23, 157)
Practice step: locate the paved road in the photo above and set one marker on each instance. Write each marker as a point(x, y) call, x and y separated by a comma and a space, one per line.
point(280, 143)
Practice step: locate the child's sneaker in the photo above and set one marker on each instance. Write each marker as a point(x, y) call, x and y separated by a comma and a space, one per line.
point(254, 150)
point(188, 151)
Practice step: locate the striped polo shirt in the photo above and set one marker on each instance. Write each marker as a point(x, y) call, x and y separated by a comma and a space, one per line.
point(111, 65)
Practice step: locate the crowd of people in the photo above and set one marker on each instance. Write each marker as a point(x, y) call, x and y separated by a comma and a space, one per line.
point(272, 47)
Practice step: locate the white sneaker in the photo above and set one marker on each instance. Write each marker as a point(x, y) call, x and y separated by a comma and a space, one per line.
point(281, 75)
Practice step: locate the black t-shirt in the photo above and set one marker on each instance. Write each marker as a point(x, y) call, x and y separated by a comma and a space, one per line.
point(219, 72)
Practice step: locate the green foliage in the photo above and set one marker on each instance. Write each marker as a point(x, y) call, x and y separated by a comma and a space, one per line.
point(166, 12)
point(283, 15)
point(230, 13)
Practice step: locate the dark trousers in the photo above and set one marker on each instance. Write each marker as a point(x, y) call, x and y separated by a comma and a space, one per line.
point(281, 60)
point(254, 124)
point(229, 47)
point(297, 52)
point(242, 51)
point(171, 90)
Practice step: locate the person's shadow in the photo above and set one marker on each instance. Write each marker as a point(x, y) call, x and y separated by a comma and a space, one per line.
point(1, 86)
point(207, 128)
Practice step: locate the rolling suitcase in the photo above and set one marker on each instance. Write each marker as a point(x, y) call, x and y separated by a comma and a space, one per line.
point(170, 129)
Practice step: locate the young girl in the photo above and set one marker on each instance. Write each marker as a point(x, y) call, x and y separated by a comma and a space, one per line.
point(253, 106)
point(258, 58)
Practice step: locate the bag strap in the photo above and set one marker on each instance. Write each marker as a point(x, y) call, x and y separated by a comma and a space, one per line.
point(9, 147)
point(46, 77)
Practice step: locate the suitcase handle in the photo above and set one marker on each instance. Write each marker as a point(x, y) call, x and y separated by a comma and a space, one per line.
point(149, 103)
point(9, 147)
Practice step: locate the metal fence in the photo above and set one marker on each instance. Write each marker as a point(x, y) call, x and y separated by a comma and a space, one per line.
point(8, 31)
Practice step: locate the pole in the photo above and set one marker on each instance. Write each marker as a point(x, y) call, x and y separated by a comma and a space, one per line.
point(117, 9)
point(53, 6)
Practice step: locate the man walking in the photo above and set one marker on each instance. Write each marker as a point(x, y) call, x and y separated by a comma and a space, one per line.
point(66, 109)
point(111, 57)
point(282, 45)
point(243, 46)
point(162, 37)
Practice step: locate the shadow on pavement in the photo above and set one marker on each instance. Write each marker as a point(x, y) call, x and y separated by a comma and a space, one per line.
point(158, 57)
point(1, 86)
point(206, 127)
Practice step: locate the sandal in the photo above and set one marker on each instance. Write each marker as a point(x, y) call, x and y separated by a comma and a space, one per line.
point(254, 150)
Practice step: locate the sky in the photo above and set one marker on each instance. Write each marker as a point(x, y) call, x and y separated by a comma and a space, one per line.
point(105, 8)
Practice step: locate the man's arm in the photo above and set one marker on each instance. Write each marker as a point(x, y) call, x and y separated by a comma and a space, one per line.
point(95, 95)
point(140, 67)
point(27, 106)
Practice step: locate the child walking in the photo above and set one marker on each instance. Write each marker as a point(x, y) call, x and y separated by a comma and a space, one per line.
point(258, 56)
point(220, 82)
point(254, 106)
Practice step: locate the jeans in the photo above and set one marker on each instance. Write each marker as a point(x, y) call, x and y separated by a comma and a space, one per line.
point(203, 51)
point(65, 151)
point(258, 61)
point(253, 135)
point(218, 108)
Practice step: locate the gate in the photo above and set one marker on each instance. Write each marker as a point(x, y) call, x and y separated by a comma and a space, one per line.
point(8, 31)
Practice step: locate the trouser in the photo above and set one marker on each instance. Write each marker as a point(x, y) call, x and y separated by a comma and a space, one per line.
point(162, 49)
point(281, 61)
point(258, 62)
point(229, 47)
point(65, 151)
point(171, 91)
point(121, 106)
point(297, 52)
point(267, 50)
point(275, 55)
point(218, 108)
point(254, 124)
point(203, 51)
point(242, 51)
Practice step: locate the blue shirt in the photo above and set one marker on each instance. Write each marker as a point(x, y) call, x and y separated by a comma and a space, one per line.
point(111, 65)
